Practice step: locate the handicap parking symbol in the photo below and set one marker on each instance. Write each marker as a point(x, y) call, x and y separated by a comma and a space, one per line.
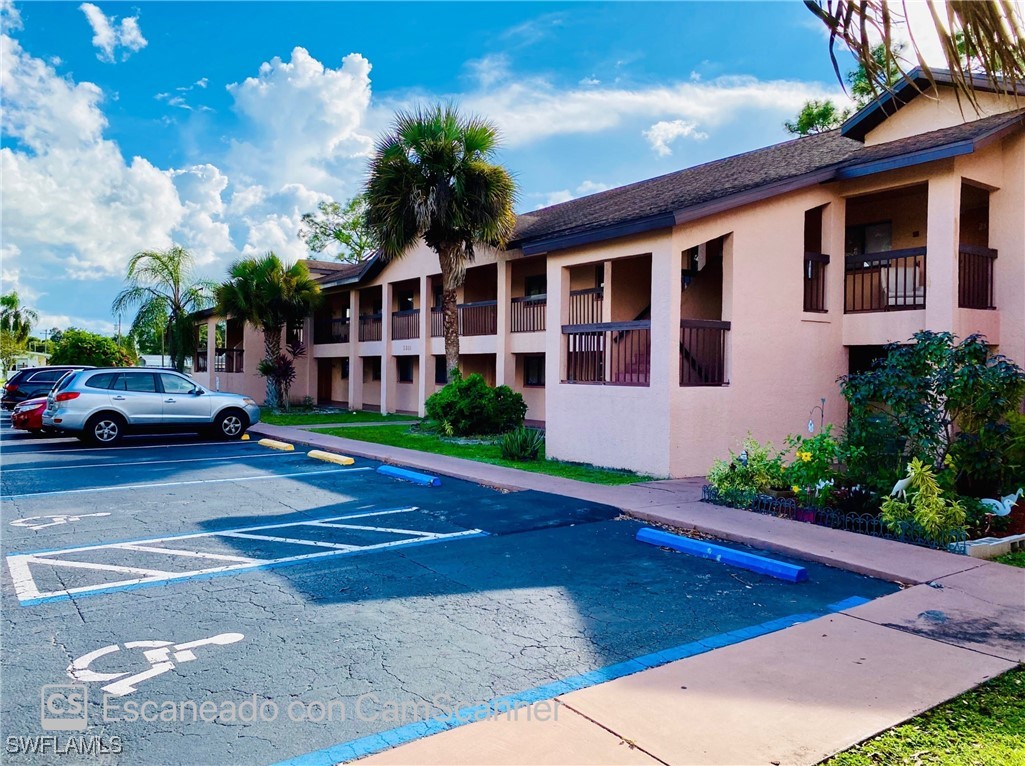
point(161, 656)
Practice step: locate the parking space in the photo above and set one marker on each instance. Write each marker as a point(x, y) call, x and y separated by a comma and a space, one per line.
point(310, 604)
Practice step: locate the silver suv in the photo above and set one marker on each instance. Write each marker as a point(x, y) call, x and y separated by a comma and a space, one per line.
point(101, 405)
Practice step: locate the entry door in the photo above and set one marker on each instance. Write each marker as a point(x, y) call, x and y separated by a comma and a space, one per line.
point(325, 367)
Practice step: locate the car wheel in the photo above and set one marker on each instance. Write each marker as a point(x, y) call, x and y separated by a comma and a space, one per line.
point(231, 424)
point(105, 429)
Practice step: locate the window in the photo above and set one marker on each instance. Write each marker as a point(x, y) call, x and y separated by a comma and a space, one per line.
point(373, 368)
point(440, 373)
point(869, 238)
point(174, 384)
point(535, 285)
point(438, 291)
point(103, 380)
point(404, 300)
point(534, 370)
point(405, 367)
point(815, 261)
point(135, 381)
point(345, 368)
point(47, 376)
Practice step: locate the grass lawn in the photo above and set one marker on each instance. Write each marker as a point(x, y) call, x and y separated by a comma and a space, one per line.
point(1016, 559)
point(270, 417)
point(395, 436)
point(983, 727)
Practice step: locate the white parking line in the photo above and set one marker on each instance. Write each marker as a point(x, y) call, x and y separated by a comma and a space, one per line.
point(244, 456)
point(29, 593)
point(140, 446)
point(154, 485)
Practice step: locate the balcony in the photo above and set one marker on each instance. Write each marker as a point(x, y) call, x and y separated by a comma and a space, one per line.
point(405, 325)
point(975, 277)
point(370, 327)
point(199, 361)
point(527, 314)
point(888, 281)
point(703, 352)
point(609, 353)
point(228, 360)
point(480, 318)
point(331, 331)
point(585, 305)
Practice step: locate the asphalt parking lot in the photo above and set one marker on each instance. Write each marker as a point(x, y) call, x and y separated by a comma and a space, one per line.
point(335, 604)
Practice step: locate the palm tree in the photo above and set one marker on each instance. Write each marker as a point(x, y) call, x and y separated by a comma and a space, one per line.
point(993, 32)
point(162, 281)
point(15, 318)
point(266, 293)
point(431, 178)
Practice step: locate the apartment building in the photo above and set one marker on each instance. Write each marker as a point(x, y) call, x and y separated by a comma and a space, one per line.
point(652, 326)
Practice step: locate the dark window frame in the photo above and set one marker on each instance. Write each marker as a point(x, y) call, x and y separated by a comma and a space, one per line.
point(528, 362)
point(404, 368)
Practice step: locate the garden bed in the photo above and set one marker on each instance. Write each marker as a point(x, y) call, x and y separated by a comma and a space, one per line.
point(860, 523)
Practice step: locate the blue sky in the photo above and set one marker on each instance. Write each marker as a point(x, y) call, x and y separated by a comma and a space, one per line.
point(216, 125)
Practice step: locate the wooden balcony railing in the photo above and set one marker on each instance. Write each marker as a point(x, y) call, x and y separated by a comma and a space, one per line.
point(527, 314)
point(585, 305)
point(975, 277)
point(480, 318)
point(228, 360)
point(369, 327)
point(815, 281)
point(891, 281)
point(331, 330)
point(199, 362)
point(703, 352)
point(405, 325)
point(610, 353)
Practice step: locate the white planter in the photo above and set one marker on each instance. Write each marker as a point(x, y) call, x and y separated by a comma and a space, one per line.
point(991, 547)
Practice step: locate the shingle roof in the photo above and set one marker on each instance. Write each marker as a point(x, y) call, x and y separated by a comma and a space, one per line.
point(321, 270)
point(665, 195)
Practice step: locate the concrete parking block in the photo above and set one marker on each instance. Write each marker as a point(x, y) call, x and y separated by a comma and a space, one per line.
point(330, 457)
point(569, 740)
point(981, 609)
point(793, 697)
point(275, 444)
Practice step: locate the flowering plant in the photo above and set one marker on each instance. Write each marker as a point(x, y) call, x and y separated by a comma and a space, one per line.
point(813, 472)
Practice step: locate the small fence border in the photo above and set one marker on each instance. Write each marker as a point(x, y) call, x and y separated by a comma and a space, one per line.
point(860, 523)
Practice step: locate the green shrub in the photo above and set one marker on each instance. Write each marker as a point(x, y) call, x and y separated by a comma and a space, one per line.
point(923, 503)
point(813, 472)
point(523, 444)
point(469, 406)
point(757, 468)
point(81, 347)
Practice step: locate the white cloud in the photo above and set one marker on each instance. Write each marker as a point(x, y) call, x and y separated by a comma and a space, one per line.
point(489, 70)
point(305, 124)
point(530, 110)
point(565, 195)
point(664, 132)
point(110, 37)
point(63, 321)
point(10, 19)
point(589, 82)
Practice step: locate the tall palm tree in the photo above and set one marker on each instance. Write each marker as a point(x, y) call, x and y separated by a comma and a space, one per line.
point(993, 32)
point(15, 318)
point(432, 178)
point(162, 281)
point(266, 293)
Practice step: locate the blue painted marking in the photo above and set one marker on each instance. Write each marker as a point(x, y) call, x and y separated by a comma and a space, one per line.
point(848, 603)
point(254, 567)
point(407, 475)
point(375, 743)
point(706, 550)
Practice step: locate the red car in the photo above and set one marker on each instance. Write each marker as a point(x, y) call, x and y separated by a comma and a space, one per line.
point(28, 415)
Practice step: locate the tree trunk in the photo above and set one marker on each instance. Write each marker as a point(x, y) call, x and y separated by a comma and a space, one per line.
point(272, 350)
point(452, 277)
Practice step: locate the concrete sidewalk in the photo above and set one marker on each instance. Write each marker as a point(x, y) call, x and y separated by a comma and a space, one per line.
point(791, 697)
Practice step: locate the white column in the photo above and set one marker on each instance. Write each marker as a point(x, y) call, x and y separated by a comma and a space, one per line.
point(505, 364)
point(388, 372)
point(426, 366)
point(355, 362)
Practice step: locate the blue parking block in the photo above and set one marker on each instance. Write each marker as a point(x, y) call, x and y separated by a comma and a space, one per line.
point(706, 550)
point(407, 475)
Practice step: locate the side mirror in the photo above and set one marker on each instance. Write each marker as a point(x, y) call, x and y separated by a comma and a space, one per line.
point(197, 391)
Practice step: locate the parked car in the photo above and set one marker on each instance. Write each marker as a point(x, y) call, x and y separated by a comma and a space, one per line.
point(28, 415)
point(101, 405)
point(33, 382)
